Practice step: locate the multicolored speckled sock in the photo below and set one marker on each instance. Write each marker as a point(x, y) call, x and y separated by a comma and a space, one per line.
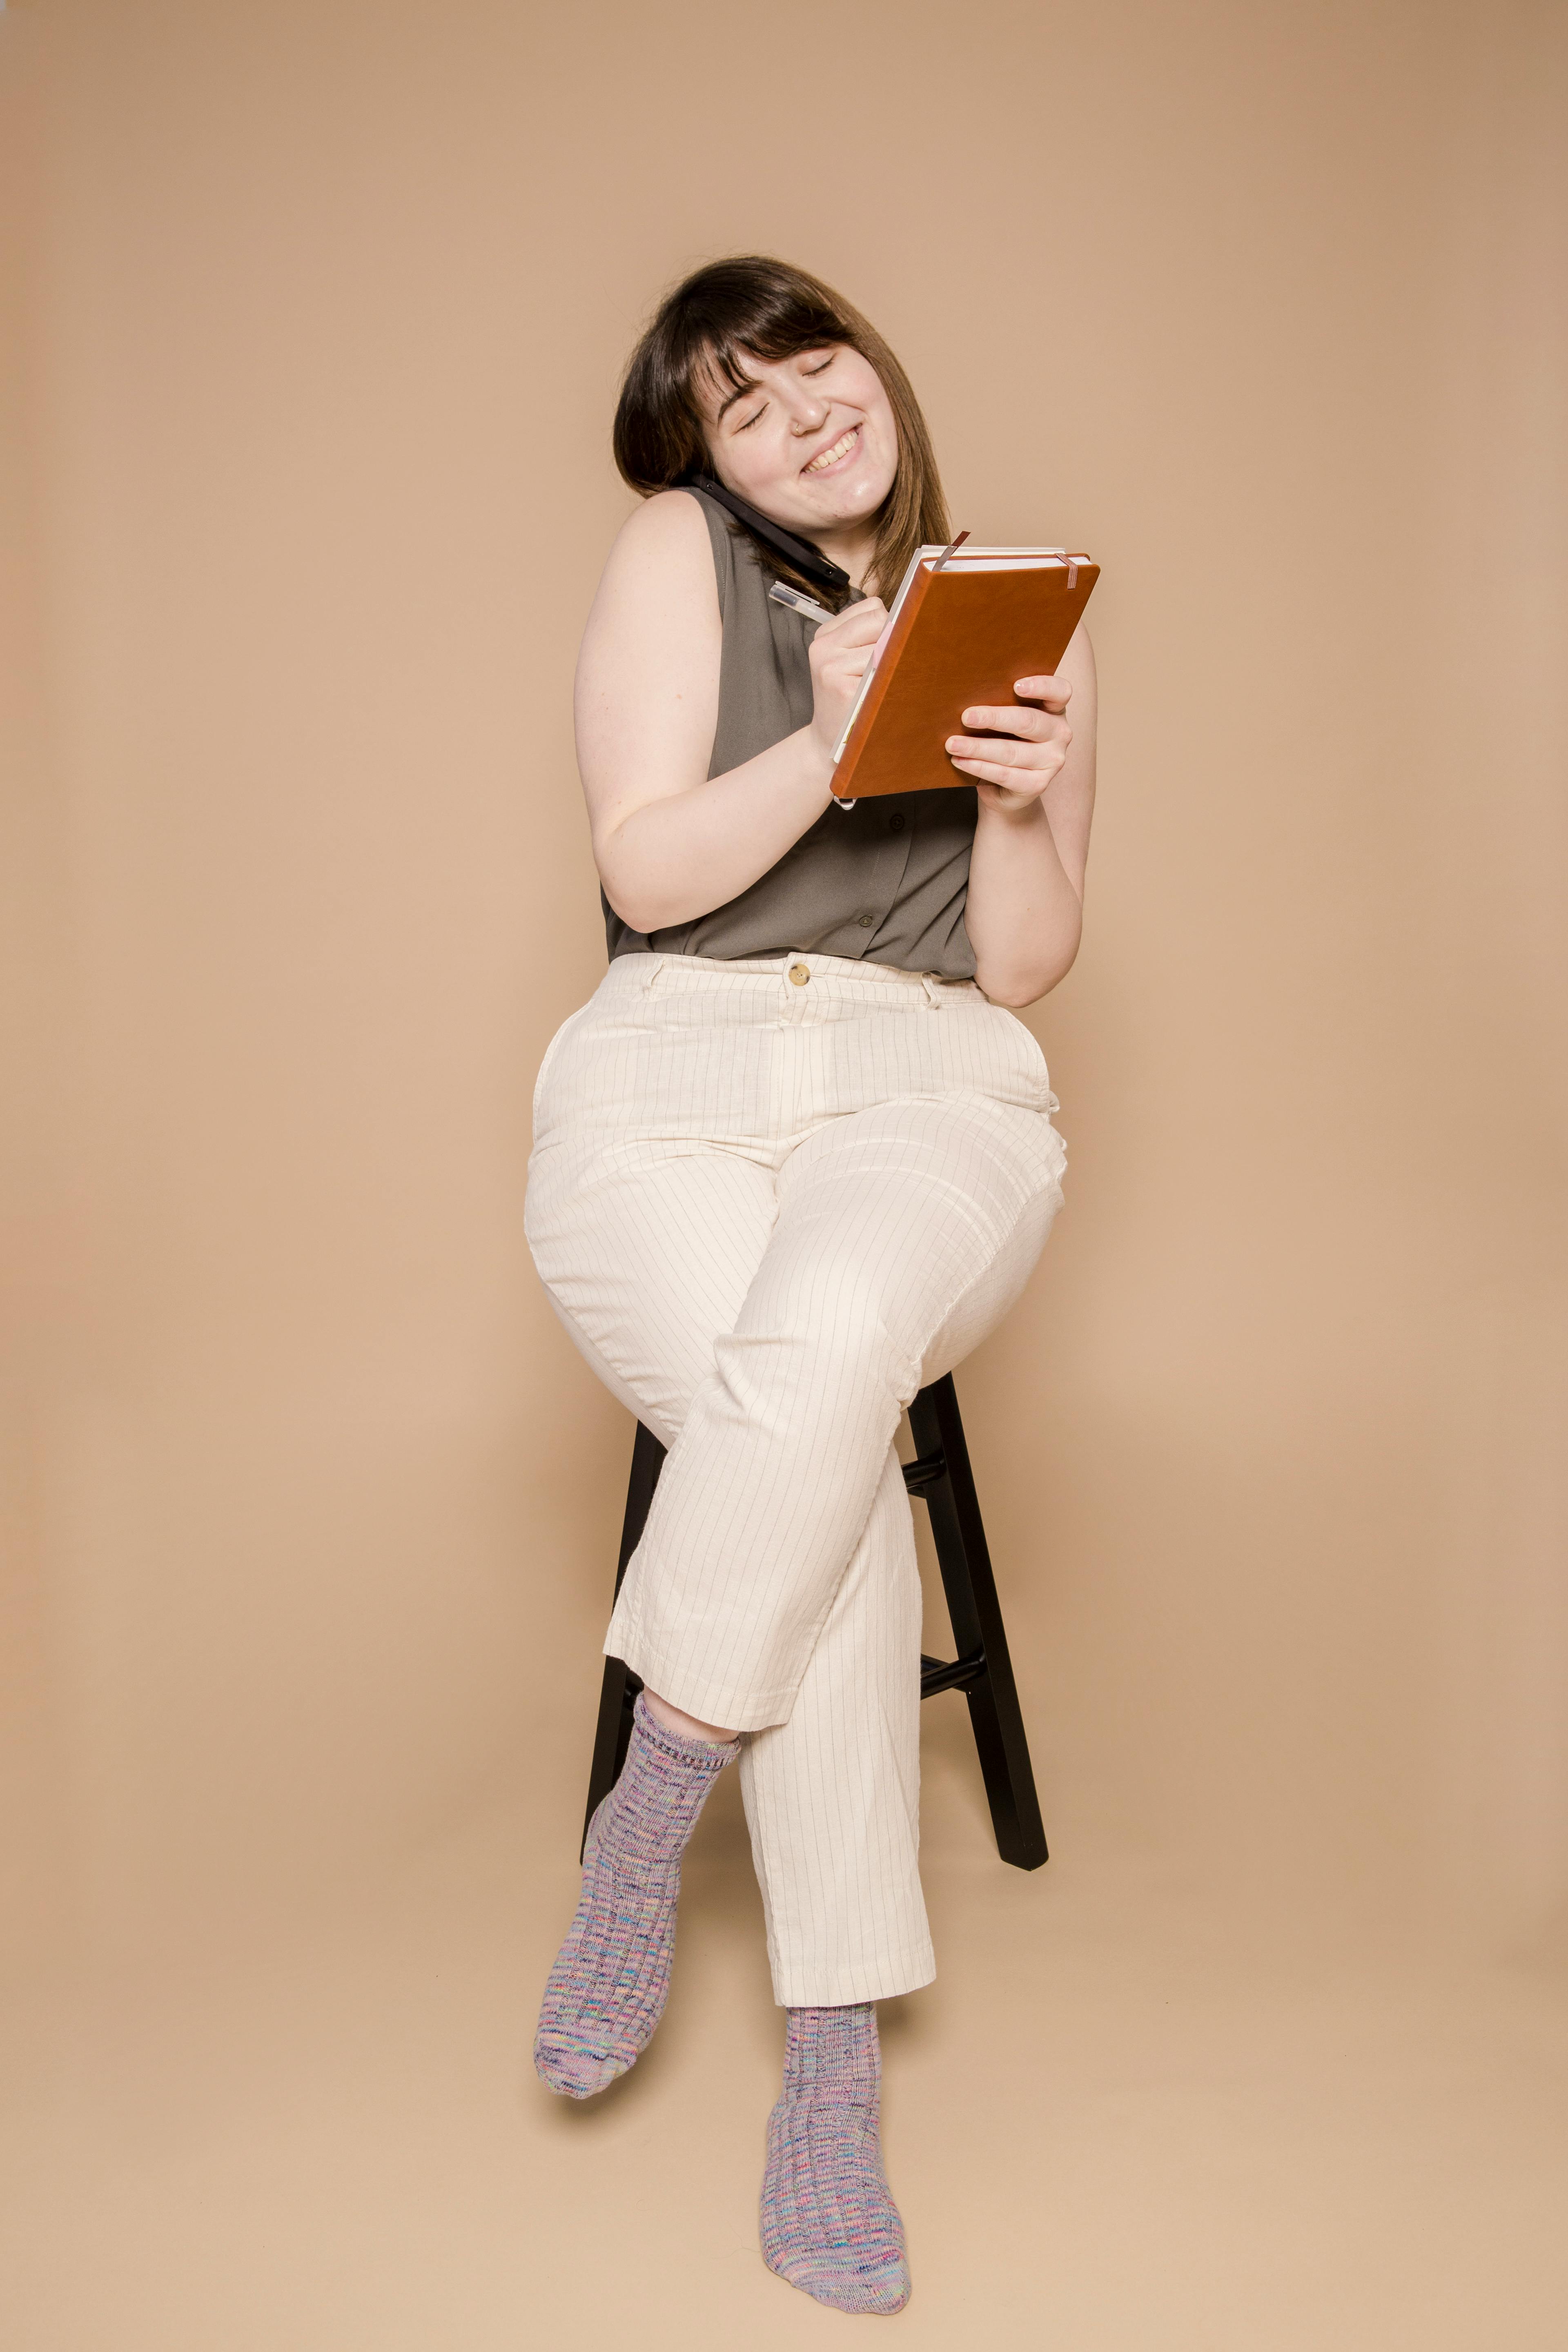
point(611, 1980)
point(829, 2225)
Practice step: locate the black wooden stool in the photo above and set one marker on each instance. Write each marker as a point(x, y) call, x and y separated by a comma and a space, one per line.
point(983, 1671)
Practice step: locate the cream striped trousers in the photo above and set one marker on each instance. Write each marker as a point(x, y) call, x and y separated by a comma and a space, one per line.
point(770, 1200)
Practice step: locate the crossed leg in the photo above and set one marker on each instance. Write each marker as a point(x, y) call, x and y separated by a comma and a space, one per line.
point(770, 1326)
point(775, 1586)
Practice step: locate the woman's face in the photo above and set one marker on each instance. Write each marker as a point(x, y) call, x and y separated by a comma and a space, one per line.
point(809, 440)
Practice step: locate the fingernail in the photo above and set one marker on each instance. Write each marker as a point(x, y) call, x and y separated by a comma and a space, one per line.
point(952, 743)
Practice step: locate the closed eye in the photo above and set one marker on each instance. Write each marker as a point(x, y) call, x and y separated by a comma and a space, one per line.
point(746, 423)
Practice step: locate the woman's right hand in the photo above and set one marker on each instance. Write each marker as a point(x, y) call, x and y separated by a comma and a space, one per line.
point(839, 653)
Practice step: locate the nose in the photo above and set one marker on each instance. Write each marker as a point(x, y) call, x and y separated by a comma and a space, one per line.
point(809, 414)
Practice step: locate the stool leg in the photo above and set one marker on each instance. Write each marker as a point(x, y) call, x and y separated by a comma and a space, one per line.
point(617, 1693)
point(976, 1613)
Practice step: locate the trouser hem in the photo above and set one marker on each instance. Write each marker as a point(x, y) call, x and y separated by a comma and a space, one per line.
point(807, 1987)
point(715, 1703)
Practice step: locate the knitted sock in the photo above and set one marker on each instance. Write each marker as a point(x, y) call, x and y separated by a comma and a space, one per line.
point(611, 1980)
point(829, 2226)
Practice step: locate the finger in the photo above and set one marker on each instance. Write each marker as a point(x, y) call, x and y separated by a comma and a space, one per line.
point(1055, 692)
point(1010, 718)
point(859, 624)
point(1001, 755)
point(1017, 782)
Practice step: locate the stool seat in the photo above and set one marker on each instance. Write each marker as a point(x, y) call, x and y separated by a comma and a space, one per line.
point(940, 1476)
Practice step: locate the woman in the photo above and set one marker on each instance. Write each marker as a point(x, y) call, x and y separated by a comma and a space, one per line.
point(793, 1161)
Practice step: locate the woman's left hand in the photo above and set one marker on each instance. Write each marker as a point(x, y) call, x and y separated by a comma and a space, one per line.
point(1013, 774)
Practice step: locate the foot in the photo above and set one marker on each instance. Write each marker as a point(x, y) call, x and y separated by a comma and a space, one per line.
point(829, 2225)
point(611, 1980)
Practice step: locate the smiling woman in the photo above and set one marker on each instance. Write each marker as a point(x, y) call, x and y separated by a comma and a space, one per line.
point(772, 432)
point(791, 1161)
point(731, 338)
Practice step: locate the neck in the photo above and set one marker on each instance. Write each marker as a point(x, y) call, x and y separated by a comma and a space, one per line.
point(851, 548)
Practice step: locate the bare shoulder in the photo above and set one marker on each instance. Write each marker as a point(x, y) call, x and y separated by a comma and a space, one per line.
point(663, 548)
point(647, 675)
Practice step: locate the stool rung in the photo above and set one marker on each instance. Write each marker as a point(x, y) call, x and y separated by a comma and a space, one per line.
point(950, 1674)
point(940, 1475)
point(929, 1471)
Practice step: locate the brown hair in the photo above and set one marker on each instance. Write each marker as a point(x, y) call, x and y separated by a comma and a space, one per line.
point(751, 304)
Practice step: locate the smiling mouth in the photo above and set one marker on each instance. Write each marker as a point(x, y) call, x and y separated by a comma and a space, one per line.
point(827, 458)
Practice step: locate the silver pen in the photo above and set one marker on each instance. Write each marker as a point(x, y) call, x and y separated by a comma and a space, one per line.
point(782, 593)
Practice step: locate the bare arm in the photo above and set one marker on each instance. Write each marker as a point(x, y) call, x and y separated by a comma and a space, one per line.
point(669, 843)
point(1025, 912)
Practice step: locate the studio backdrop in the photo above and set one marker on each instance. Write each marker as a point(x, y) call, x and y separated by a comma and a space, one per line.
point(310, 1507)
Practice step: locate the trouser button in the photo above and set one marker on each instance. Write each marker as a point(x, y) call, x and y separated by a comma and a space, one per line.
point(800, 973)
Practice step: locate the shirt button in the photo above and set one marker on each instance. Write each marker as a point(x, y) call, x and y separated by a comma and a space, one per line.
point(800, 973)
point(897, 823)
point(867, 921)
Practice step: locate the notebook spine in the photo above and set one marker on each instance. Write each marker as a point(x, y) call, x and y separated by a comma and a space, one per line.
point(843, 774)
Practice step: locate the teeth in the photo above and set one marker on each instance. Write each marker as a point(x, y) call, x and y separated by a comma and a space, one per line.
point(825, 457)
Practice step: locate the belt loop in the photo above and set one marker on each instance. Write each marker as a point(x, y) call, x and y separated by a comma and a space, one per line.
point(930, 982)
point(652, 980)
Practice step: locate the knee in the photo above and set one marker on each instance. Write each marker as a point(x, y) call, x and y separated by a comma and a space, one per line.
point(843, 1361)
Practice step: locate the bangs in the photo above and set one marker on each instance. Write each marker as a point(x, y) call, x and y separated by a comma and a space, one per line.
point(736, 312)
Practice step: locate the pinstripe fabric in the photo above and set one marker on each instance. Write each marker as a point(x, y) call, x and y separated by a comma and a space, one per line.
point(767, 1213)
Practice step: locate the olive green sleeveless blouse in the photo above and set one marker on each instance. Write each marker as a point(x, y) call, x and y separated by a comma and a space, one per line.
point(883, 882)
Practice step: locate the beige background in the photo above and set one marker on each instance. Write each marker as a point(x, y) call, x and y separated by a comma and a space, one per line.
point(310, 1508)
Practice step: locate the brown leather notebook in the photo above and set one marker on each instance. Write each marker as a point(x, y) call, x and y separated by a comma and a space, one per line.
point(961, 630)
